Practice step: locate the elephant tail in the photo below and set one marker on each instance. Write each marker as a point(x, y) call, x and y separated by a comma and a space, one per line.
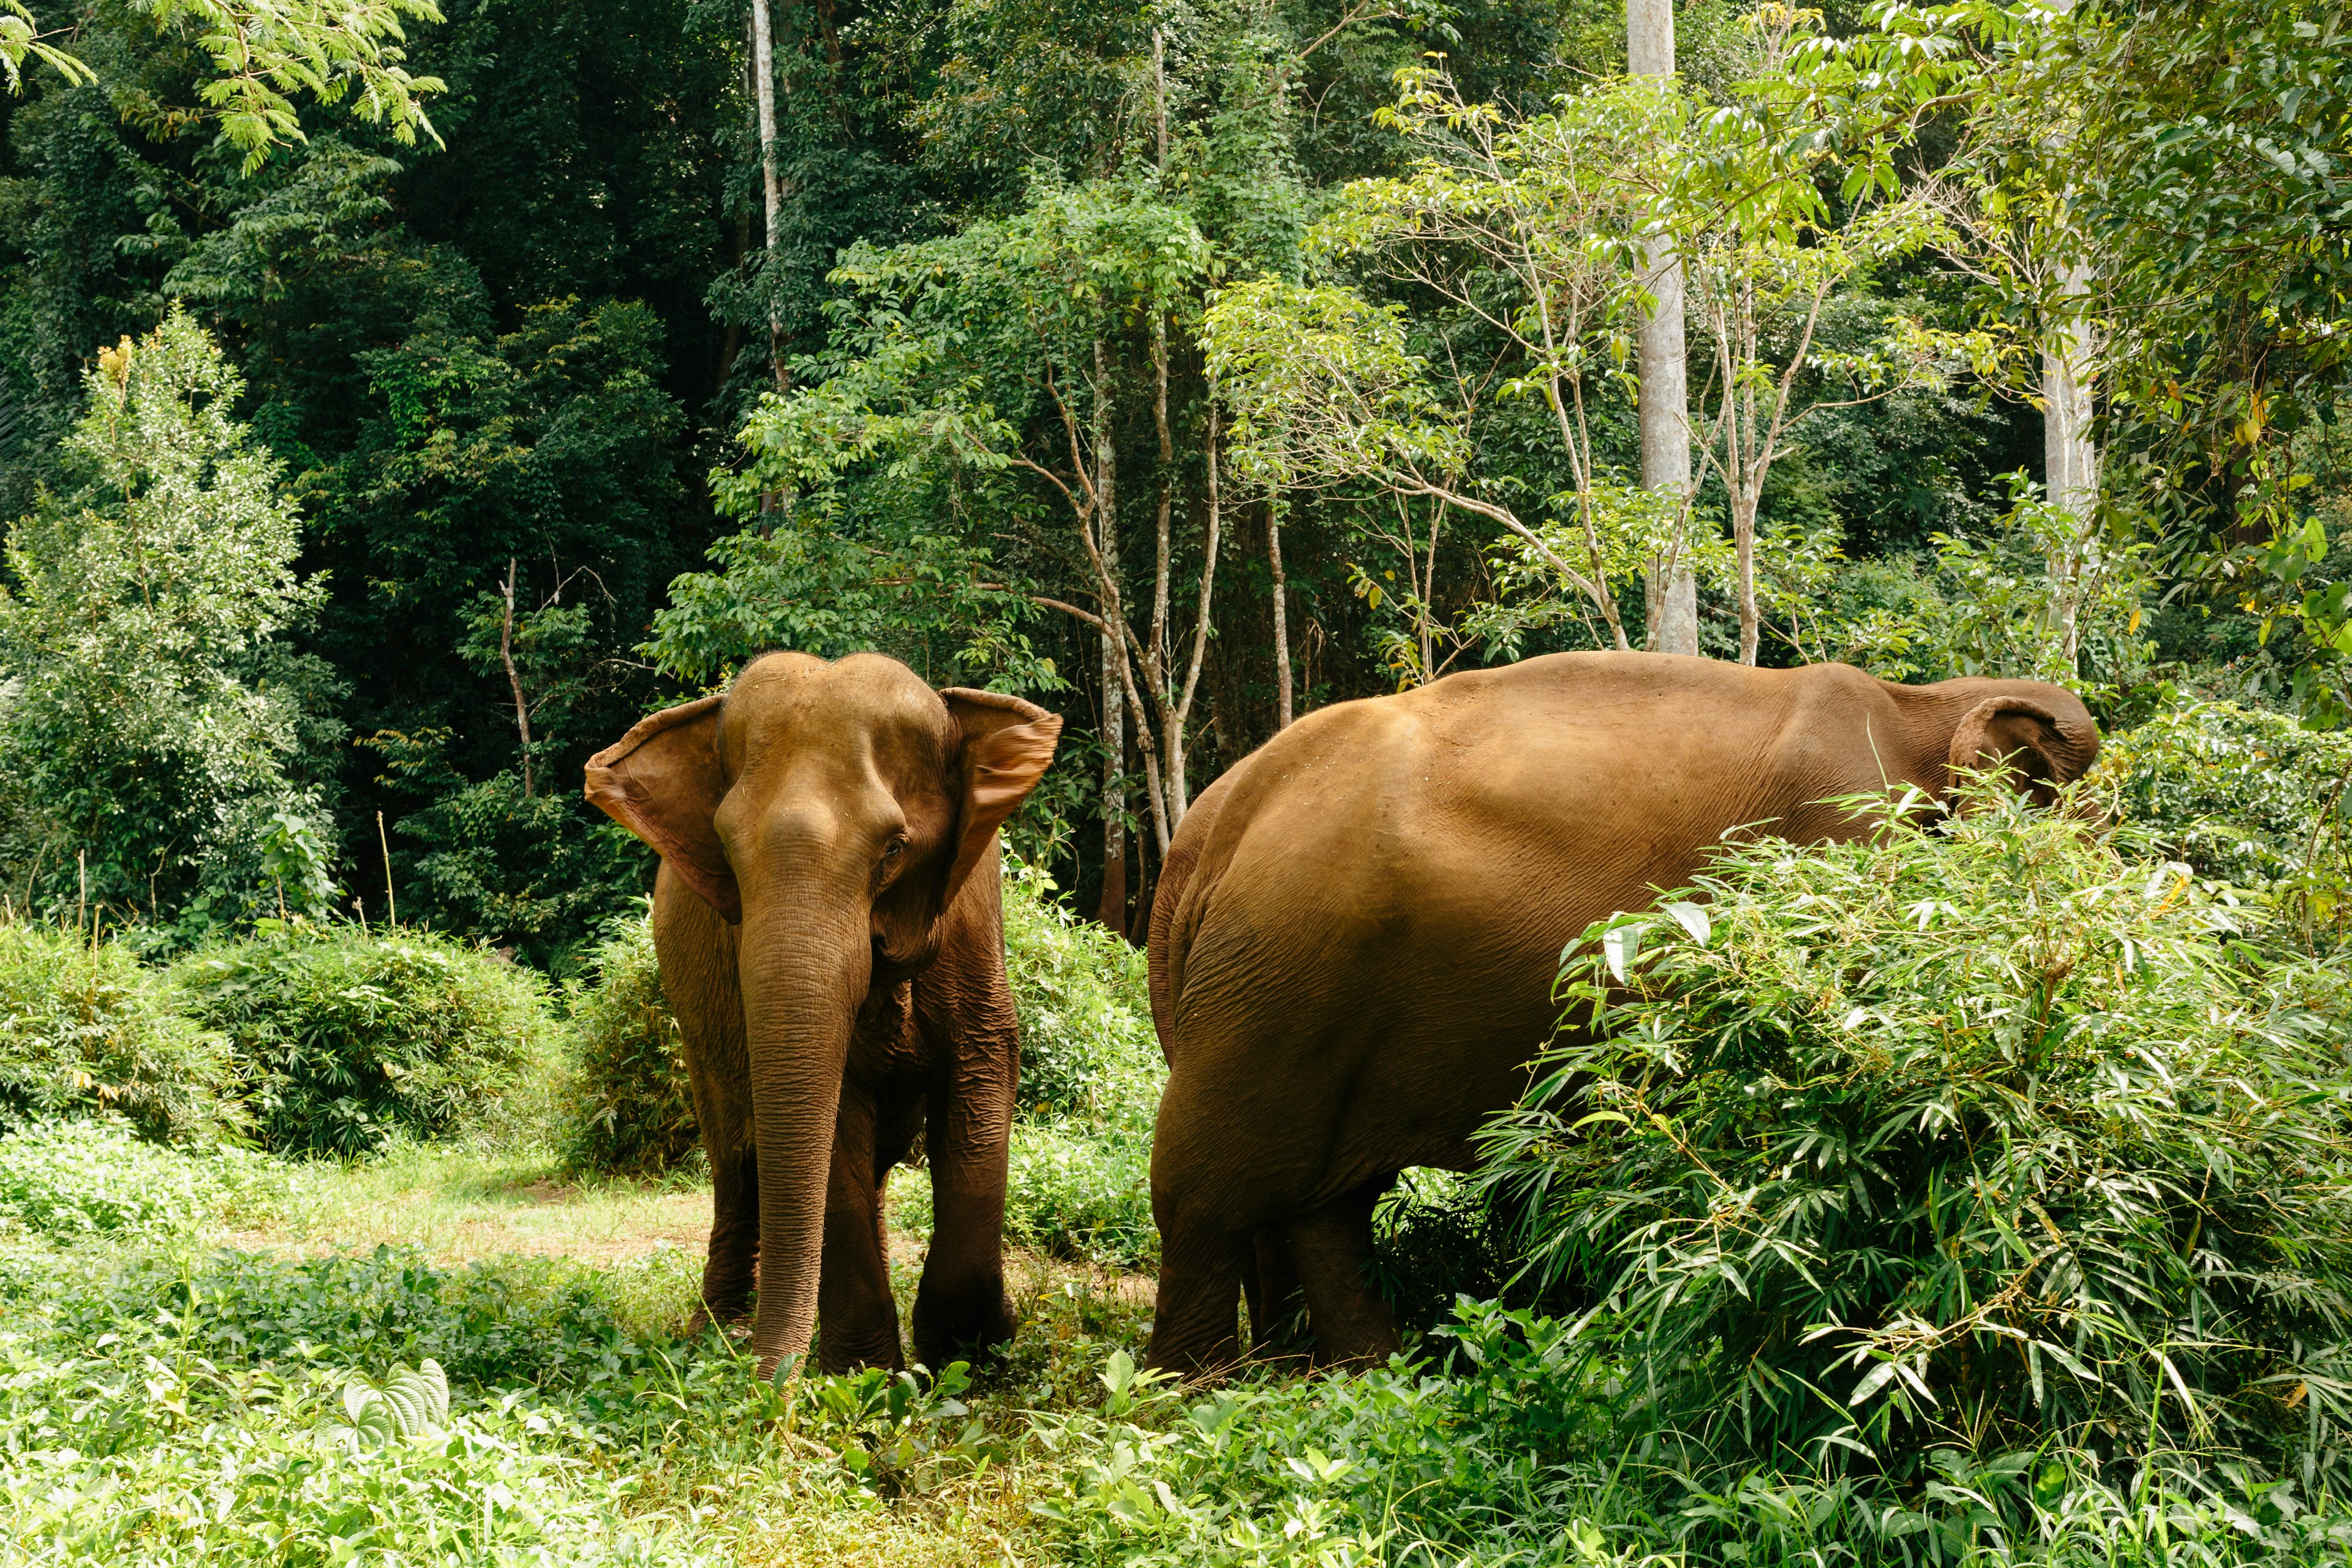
point(1172, 921)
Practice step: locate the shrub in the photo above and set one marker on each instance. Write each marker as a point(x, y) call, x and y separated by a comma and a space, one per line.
point(1087, 1041)
point(1437, 1241)
point(346, 1039)
point(2237, 793)
point(1971, 1132)
point(70, 1179)
point(84, 1027)
point(628, 1108)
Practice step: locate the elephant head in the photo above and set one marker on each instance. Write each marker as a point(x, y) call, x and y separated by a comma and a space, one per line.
point(2039, 737)
point(831, 811)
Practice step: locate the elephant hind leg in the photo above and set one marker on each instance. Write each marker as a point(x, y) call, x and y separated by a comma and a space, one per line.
point(1195, 1325)
point(732, 1270)
point(1332, 1248)
point(1277, 1312)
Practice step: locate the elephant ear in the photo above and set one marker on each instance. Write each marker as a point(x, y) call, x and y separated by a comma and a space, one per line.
point(1003, 747)
point(2026, 740)
point(662, 782)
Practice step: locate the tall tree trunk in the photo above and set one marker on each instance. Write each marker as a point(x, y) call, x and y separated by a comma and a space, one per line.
point(2070, 459)
point(1113, 912)
point(1744, 540)
point(1664, 403)
point(1281, 613)
point(2070, 462)
point(763, 71)
point(1155, 652)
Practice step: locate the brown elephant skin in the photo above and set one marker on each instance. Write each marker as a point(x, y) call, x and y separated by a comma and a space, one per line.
point(1356, 934)
point(829, 920)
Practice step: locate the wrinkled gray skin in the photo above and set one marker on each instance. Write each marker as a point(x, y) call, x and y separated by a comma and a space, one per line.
point(1356, 933)
point(829, 920)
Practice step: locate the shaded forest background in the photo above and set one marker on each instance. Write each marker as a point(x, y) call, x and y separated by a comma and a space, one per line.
point(508, 377)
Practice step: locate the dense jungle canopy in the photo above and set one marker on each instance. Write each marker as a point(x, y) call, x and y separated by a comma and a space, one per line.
point(395, 416)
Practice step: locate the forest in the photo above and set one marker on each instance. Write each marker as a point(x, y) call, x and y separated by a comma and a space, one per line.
point(401, 400)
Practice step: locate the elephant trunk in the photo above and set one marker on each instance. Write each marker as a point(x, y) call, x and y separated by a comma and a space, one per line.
point(807, 962)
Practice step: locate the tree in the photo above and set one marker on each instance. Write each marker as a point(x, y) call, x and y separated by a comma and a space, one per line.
point(152, 731)
point(991, 351)
point(1665, 370)
point(2200, 165)
point(261, 54)
point(1528, 234)
point(1763, 250)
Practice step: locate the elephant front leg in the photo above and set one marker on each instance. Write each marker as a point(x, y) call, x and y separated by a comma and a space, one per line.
point(858, 1322)
point(960, 1307)
point(732, 1269)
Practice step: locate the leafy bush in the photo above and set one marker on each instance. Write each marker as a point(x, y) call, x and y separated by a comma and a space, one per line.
point(68, 1179)
point(1436, 1241)
point(182, 1461)
point(1086, 1042)
point(86, 1026)
point(346, 1039)
point(629, 1108)
point(2239, 793)
point(1970, 1133)
point(1520, 1460)
point(1387, 1467)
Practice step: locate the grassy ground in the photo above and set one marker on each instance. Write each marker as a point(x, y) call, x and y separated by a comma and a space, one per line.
point(192, 1399)
point(514, 1278)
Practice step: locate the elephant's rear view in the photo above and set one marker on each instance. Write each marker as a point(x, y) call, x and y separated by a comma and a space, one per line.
point(1354, 943)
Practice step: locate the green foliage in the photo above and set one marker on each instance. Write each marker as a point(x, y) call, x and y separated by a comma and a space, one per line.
point(85, 1026)
point(1971, 1134)
point(234, 1458)
point(2189, 123)
point(1436, 1241)
point(347, 1040)
point(1087, 1047)
point(1390, 1465)
point(154, 707)
point(1084, 1192)
point(628, 1107)
point(97, 1176)
point(2240, 794)
point(261, 54)
point(537, 872)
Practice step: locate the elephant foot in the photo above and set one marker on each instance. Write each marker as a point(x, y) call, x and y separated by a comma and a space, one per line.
point(1332, 1248)
point(963, 1333)
point(1278, 1311)
point(726, 1299)
point(1195, 1322)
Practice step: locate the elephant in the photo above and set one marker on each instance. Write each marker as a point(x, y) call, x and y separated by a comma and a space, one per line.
point(829, 920)
point(1357, 928)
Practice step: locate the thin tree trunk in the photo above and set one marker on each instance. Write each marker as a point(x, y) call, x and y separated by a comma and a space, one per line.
point(1113, 912)
point(514, 680)
point(1281, 615)
point(2069, 460)
point(763, 71)
point(1665, 399)
point(1180, 716)
point(1750, 623)
point(1155, 649)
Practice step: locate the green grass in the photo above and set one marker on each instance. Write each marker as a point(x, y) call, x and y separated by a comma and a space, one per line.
point(173, 1400)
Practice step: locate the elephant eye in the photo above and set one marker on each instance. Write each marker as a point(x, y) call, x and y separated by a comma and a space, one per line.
point(892, 850)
